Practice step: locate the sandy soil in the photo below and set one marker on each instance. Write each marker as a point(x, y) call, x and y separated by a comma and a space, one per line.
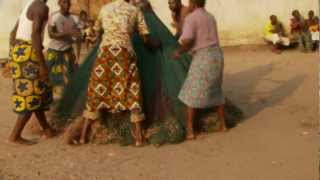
point(277, 141)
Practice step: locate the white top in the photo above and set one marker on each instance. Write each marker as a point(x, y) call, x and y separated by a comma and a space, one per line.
point(24, 31)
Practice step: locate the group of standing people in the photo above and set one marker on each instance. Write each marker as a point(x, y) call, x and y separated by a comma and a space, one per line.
point(115, 84)
point(303, 31)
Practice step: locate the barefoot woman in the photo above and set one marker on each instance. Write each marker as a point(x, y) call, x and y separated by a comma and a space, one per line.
point(202, 88)
point(115, 83)
point(30, 94)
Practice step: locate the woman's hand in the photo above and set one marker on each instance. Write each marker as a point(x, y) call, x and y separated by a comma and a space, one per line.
point(43, 72)
point(176, 55)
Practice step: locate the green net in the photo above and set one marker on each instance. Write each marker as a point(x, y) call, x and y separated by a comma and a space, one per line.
point(161, 78)
point(74, 96)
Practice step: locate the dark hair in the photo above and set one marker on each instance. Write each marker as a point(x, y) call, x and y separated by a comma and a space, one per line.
point(61, 0)
point(200, 3)
point(295, 12)
point(83, 12)
point(179, 1)
point(273, 16)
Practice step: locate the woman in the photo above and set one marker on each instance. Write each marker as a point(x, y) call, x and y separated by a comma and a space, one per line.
point(161, 79)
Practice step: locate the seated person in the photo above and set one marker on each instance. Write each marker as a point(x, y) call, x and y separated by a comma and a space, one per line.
point(313, 24)
point(275, 34)
point(300, 31)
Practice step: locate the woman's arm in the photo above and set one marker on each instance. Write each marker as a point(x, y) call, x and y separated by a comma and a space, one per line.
point(13, 34)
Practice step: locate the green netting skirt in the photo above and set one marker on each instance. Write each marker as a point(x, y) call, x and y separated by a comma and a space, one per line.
point(161, 77)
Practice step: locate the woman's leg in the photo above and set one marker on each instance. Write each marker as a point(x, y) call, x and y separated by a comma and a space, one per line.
point(15, 136)
point(85, 128)
point(138, 134)
point(48, 132)
point(136, 118)
point(190, 119)
point(222, 118)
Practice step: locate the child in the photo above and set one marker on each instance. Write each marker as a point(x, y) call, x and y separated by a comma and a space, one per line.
point(83, 23)
point(313, 24)
point(299, 29)
point(90, 34)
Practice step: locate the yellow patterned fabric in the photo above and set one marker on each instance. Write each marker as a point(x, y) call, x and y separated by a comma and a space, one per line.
point(61, 65)
point(29, 92)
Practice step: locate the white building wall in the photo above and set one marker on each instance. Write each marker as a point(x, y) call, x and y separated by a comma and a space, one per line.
point(240, 21)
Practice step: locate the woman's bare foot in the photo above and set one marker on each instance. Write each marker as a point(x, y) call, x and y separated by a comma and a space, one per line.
point(138, 139)
point(223, 127)
point(49, 133)
point(84, 133)
point(83, 141)
point(190, 135)
point(276, 51)
point(138, 136)
point(139, 144)
point(21, 141)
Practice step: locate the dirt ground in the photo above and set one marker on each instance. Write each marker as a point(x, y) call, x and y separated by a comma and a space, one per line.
point(277, 141)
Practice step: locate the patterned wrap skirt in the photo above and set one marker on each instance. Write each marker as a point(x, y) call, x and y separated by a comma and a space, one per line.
point(203, 85)
point(114, 85)
point(29, 92)
point(61, 65)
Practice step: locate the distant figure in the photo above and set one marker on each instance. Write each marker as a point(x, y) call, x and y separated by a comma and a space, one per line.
point(203, 85)
point(83, 23)
point(274, 33)
point(91, 34)
point(178, 13)
point(61, 58)
point(31, 92)
point(313, 24)
point(300, 31)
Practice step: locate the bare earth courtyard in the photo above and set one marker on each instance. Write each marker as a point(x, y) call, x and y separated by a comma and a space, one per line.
point(277, 141)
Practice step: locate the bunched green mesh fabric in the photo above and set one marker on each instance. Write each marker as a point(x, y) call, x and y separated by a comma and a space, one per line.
point(73, 99)
point(161, 77)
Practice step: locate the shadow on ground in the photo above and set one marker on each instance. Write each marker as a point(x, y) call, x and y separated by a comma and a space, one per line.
point(258, 101)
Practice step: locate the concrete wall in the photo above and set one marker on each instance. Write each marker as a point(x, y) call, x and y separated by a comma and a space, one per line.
point(9, 12)
point(240, 21)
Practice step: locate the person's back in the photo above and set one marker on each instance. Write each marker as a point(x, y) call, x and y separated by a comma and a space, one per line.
point(119, 20)
point(206, 33)
point(115, 84)
point(24, 30)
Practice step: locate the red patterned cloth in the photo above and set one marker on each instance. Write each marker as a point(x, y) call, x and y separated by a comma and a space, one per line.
point(114, 84)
